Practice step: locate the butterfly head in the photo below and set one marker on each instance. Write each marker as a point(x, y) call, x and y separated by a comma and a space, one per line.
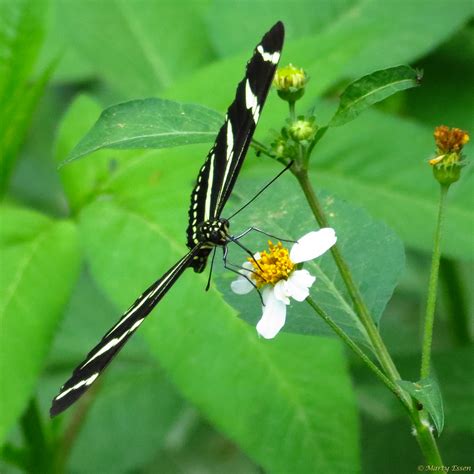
point(214, 231)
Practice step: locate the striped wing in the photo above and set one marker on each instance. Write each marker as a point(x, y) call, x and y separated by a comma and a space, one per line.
point(217, 177)
point(99, 357)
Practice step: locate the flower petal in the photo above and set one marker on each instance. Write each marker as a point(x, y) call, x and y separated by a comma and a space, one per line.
point(241, 286)
point(273, 317)
point(281, 292)
point(299, 283)
point(313, 245)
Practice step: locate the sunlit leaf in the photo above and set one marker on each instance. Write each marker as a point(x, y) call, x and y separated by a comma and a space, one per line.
point(149, 123)
point(371, 89)
point(40, 262)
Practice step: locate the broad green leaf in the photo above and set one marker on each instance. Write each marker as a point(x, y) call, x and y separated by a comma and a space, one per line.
point(404, 31)
point(444, 97)
point(147, 46)
point(40, 260)
point(427, 392)
point(373, 88)
point(380, 162)
point(149, 123)
point(83, 179)
point(373, 252)
point(251, 379)
point(301, 18)
point(454, 371)
point(21, 34)
point(400, 32)
point(141, 406)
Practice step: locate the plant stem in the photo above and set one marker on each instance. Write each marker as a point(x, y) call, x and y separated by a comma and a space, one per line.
point(379, 347)
point(425, 438)
point(292, 111)
point(358, 351)
point(421, 424)
point(432, 288)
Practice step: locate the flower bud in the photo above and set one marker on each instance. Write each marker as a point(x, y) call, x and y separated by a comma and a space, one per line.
point(448, 162)
point(290, 83)
point(303, 129)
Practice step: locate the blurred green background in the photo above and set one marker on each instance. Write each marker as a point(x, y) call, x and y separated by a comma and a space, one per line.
point(196, 391)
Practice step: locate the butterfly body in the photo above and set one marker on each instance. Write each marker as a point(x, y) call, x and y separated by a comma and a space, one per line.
point(206, 229)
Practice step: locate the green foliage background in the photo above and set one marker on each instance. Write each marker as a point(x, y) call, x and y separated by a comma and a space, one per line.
point(197, 390)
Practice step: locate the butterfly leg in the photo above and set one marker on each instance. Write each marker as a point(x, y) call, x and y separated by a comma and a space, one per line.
point(245, 249)
point(232, 267)
point(256, 229)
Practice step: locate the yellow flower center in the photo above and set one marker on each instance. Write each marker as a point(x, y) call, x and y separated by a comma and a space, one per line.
point(272, 266)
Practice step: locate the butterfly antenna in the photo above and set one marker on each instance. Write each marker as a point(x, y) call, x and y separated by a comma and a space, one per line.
point(287, 167)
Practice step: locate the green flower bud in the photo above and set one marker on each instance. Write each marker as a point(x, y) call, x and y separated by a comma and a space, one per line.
point(303, 130)
point(290, 83)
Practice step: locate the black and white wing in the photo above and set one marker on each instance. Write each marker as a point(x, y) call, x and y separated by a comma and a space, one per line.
point(99, 357)
point(217, 177)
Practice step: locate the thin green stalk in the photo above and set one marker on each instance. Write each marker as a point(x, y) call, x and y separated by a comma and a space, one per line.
point(379, 347)
point(432, 288)
point(421, 424)
point(358, 351)
point(292, 111)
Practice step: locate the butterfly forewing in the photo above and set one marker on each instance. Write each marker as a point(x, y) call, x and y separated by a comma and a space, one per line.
point(100, 356)
point(217, 177)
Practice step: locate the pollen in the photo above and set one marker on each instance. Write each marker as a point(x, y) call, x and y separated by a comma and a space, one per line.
point(449, 140)
point(272, 266)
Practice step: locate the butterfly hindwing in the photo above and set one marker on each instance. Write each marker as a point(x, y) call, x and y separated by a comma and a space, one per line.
point(101, 355)
point(218, 174)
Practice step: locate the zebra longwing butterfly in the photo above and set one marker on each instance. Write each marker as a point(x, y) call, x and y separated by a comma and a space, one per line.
point(206, 229)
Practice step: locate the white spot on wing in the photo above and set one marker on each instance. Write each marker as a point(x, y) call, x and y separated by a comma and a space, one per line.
point(271, 57)
point(210, 180)
point(113, 342)
point(251, 101)
point(85, 382)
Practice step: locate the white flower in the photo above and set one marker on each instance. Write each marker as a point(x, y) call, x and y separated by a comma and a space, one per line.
point(275, 274)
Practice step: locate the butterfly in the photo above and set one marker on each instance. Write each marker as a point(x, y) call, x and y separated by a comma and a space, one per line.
point(207, 229)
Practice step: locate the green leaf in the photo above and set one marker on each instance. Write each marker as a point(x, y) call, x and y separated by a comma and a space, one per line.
point(454, 370)
point(83, 179)
point(144, 50)
point(380, 162)
point(21, 35)
point(149, 123)
point(216, 360)
point(427, 392)
point(40, 261)
point(374, 254)
point(371, 89)
point(152, 410)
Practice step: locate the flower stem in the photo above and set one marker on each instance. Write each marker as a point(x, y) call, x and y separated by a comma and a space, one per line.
point(379, 347)
point(432, 288)
point(422, 427)
point(358, 351)
point(292, 111)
